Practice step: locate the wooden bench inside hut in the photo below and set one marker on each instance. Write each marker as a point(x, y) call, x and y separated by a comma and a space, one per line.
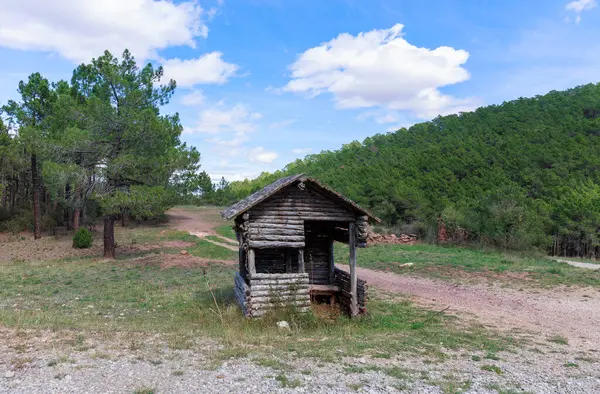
point(286, 234)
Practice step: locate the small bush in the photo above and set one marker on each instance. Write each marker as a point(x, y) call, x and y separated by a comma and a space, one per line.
point(82, 238)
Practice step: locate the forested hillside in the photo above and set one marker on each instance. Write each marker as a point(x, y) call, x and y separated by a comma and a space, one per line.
point(518, 175)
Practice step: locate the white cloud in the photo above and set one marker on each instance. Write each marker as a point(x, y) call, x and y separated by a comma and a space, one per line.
point(207, 69)
point(380, 68)
point(380, 117)
point(261, 155)
point(219, 119)
point(194, 98)
point(301, 151)
point(578, 6)
point(81, 29)
point(283, 124)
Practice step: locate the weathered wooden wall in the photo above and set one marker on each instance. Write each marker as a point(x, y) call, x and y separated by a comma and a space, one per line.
point(279, 220)
point(342, 280)
point(273, 261)
point(240, 291)
point(267, 292)
point(317, 252)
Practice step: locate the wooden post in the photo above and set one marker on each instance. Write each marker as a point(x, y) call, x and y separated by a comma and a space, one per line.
point(331, 263)
point(301, 260)
point(353, 278)
point(288, 261)
point(251, 262)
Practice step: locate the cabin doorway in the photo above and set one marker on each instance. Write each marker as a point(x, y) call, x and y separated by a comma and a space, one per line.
point(318, 251)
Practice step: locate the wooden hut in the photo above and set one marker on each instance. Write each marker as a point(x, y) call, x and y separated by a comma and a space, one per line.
point(286, 233)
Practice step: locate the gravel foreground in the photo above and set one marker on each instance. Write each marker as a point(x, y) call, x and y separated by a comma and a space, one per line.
point(46, 362)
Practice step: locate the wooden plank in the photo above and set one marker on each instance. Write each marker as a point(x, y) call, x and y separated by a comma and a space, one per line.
point(301, 261)
point(279, 276)
point(286, 292)
point(353, 277)
point(274, 244)
point(275, 238)
point(251, 262)
point(274, 226)
point(294, 221)
point(276, 231)
point(285, 218)
point(265, 282)
point(282, 287)
point(331, 262)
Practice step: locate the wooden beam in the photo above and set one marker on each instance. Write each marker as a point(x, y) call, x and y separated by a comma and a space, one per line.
point(353, 277)
point(251, 262)
point(288, 261)
point(274, 244)
point(301, 261)
point(331, 262)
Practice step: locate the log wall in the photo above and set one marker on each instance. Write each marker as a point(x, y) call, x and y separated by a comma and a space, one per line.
point(342, 280)
point(273, 261)
point(267, 292)
point(279, 220)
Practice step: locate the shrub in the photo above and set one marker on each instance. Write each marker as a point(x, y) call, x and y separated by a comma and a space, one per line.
point(82, 238)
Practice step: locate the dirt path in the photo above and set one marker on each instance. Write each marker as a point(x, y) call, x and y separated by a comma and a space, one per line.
point(580, 264)
point(572, 313)
point(200, 223)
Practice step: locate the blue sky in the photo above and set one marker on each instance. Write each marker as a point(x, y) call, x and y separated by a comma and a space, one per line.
point(263, 82)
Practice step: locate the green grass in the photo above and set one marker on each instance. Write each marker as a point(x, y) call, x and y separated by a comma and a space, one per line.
point(226, 231)
point(559, 339)
point(287, 383)
point(492, 368)
point(198, 302)
point(451, 263)
point(186, 303)
point(209, 250)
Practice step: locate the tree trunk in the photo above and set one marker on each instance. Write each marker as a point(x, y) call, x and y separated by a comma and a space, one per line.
point(13, 193)
point(67, 211)
point(76, 216)
point(4, 194)
point(77, 211)
point(123, 219)
point(36, 198)
point(109, 237)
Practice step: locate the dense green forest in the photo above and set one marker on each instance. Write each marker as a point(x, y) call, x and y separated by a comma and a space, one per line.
point(94, 147)
point(521, 175)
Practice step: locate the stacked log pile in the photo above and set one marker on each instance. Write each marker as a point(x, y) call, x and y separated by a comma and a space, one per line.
point(342, 280)
point(404, 239)
point(268, 292)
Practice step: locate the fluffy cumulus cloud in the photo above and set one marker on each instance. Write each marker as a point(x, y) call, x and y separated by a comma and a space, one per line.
point(578, 6)
point(194, 98)
point(209, 68)
point(220, 119)
point(81, 29)
point(380, 68)
point(261, 155)
point(301, 151)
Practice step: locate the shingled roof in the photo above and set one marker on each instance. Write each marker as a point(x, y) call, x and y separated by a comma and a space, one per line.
point(256, 198)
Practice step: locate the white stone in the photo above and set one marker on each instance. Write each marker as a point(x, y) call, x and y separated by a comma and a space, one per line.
point(9, 374)
point(283, 325)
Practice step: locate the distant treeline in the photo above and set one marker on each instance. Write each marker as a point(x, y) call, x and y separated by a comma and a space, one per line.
point(521, 175)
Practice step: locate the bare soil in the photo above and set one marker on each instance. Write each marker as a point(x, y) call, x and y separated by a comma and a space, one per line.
point(570, 312)
point(200, 223)
point(197, 222)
